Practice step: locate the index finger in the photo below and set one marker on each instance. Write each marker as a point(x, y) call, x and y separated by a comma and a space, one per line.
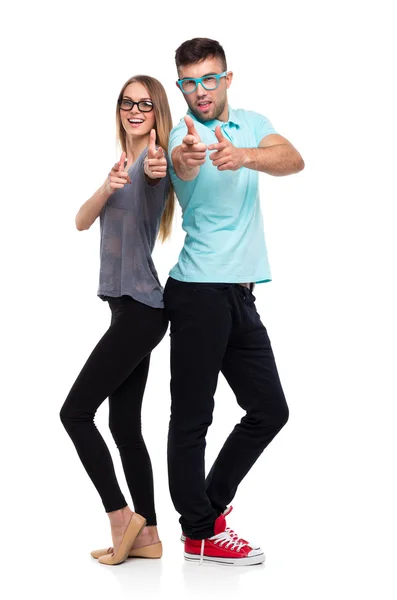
point(152, 143)
point(122, 161)
point(220, 146)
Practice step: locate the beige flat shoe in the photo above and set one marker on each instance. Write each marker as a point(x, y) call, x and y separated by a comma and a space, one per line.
point(150, 551)
point(134, 528)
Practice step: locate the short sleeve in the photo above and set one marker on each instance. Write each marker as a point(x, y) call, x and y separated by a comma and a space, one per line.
point(262, 126)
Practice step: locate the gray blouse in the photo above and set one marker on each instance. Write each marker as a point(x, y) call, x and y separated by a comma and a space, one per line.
point(130, 221)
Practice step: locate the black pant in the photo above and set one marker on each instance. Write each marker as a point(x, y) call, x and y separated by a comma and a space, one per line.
point(118, 369)
point(215, 327)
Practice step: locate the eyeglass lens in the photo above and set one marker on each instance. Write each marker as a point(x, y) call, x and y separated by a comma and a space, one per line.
point(143, 105)
point(209, 83)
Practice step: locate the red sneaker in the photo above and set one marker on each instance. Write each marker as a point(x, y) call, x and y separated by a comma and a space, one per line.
point(232, 533)
point(224, 547)
point(227, 510)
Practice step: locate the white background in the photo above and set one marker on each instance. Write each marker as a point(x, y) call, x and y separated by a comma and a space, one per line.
point(321, 501)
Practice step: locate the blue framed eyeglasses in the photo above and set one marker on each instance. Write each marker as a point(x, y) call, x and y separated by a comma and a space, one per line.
point(189, 85)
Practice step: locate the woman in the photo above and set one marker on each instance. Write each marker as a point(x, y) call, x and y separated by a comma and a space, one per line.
point(135, 204)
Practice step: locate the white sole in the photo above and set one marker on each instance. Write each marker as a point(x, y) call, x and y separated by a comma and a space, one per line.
point(237, 562)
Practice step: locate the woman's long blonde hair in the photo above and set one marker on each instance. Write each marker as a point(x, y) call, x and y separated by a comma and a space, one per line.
point(163, 126)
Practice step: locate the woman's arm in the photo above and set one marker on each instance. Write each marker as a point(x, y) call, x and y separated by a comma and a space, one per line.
point(155, 163)
point(92, 208)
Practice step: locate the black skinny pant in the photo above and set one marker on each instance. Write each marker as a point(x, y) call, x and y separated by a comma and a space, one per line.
point(215, 328)
point(118, 369)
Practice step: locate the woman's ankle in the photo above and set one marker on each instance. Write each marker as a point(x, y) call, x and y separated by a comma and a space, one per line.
point(121, 517)
point(149, 535)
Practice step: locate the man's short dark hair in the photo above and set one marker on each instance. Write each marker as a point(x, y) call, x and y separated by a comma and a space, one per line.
point(198, 49)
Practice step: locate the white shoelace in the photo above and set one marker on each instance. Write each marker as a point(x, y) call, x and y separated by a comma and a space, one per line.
point(226, 539)
point(232, 533)
point(202, 552)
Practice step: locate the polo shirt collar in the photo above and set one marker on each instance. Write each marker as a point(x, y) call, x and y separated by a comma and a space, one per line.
point(233, 119)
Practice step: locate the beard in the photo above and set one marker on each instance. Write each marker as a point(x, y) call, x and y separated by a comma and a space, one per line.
point(213, 114)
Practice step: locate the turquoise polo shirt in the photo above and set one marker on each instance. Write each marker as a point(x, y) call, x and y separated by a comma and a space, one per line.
point(221, 211)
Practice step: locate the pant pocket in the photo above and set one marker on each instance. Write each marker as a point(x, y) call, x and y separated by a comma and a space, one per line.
point(211, 289)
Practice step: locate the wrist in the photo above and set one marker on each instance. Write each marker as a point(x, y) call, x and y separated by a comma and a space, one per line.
point(187, 172)
point(106, 191)
point(244, 157)
point(181, 158)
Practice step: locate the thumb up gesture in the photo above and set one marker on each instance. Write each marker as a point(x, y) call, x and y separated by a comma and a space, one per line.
point(155, 165)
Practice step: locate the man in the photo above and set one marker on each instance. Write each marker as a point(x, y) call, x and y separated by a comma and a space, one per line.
point(216, 154)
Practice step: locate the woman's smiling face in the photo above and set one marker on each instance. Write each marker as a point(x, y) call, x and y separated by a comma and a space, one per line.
point(137, 123)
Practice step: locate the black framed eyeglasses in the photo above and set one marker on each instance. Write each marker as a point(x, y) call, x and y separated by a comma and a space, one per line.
point(143, 105)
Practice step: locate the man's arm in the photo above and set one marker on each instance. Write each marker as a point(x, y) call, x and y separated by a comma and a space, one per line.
point(184, 171)
point(275, 155)
point(190, 155)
